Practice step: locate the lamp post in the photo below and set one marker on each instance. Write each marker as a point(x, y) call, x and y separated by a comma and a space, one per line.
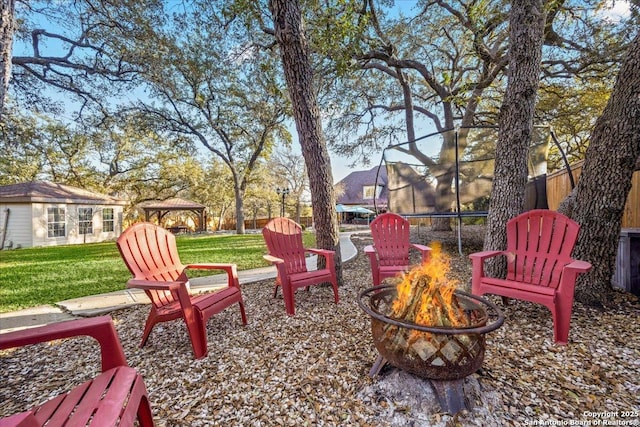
point(283, 192)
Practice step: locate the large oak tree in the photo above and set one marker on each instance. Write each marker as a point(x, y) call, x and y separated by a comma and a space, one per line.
point(597, 203)
point(527, 21)
point(294, 50)
point(443, 63)
point(211, 86)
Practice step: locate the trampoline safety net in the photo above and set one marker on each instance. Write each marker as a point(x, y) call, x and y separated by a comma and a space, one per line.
point(450, 173)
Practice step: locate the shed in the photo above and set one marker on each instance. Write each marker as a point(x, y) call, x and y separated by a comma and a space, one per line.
point(42, 213)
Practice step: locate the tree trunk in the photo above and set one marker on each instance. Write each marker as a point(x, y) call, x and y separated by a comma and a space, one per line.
point(296, 63)
point(7, 29)
point(220, 220)
point(597, 203)
point(239, 189)
point(239, 211)
point(446, 172)
point(527, 18)
point(443, 185)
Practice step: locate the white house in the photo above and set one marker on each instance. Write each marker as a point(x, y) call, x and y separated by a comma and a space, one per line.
point(42, 213)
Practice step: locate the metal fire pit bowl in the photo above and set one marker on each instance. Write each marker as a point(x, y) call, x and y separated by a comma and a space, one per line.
point(433, 352)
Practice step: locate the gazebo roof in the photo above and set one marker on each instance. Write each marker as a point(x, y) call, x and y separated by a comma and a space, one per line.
point(175, 203)
point(162, 208)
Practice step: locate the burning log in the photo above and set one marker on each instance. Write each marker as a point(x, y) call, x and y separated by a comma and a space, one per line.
point(425, 296)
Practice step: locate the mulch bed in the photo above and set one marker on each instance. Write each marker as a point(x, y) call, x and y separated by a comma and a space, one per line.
point(312, 369)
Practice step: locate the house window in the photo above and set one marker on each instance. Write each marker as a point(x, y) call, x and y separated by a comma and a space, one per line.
point(107, 220)
point(56, 222)
point(85, 221)
point(368, 191)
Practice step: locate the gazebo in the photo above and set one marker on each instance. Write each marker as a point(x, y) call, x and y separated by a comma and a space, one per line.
point(162, 208)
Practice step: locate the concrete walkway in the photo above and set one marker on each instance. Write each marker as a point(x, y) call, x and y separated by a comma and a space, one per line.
point(96, 305)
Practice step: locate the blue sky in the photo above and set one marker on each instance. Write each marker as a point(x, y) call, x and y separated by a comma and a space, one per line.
point(340, 164)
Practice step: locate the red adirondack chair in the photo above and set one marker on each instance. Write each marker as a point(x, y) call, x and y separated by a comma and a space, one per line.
point(284, 243)
point(151, 255)
point(117, 396)
point(539, 265)
point(389, 254)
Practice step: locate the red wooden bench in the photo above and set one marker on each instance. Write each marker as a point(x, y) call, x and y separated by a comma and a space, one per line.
point(117, 396)
point(539, 265)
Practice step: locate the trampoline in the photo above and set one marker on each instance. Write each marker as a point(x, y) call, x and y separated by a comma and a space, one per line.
point(449, 174)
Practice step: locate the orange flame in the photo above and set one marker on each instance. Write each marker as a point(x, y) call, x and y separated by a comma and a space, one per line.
point(426, 294)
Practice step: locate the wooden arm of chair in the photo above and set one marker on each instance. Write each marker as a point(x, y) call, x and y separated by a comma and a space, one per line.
point(230, 269)
point(578, 266)
point(324, 252)
point(477, 261)
point(425, 251)
point(569, 274)
point(370, 251)
point(481, 256)
point(101, 328)
point(212, 266)
point(149, 285)
point(421, 248)
point(279, 263)
point(272, 259)
point(178, 288)
point(327, 254)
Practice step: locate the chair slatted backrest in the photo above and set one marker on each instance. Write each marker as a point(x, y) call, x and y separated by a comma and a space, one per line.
point(390, 234)
point(150, 253)
point(284, 240)
point(542, 242)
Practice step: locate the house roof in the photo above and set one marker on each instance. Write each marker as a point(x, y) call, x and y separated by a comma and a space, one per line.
point(353, 184)
point(49, 192)
point(175, 203)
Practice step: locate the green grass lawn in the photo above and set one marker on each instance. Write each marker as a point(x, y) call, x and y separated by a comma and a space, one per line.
point(37, 276)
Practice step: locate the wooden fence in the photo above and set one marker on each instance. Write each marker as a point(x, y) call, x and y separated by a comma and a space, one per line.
point(259, 223)
point(559, 186)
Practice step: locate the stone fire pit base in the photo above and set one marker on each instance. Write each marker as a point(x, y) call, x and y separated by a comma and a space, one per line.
point(409, 400)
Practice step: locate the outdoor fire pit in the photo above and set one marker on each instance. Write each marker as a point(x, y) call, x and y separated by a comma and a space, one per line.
point(426, 326)
point(433, 352)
